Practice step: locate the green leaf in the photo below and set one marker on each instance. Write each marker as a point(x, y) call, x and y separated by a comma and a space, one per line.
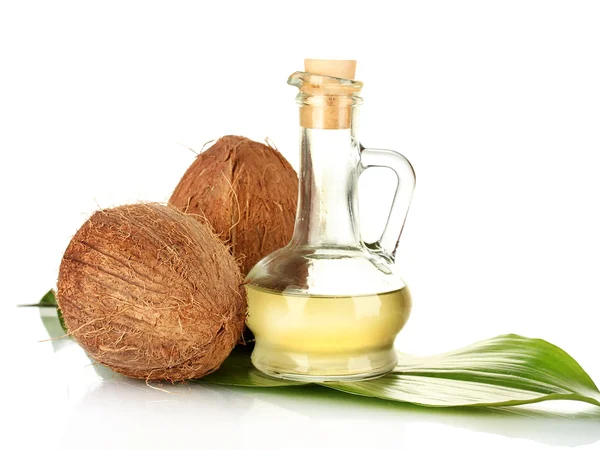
point(48, 300)
point(503, 371)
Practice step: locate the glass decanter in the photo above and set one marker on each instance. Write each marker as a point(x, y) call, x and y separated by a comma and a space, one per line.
point(328, 306)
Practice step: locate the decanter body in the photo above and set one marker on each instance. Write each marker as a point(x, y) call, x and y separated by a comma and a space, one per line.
point(328, 306)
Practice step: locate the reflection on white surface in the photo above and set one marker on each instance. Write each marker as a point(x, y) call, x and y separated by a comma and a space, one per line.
point(304, 417)
point(77, 405)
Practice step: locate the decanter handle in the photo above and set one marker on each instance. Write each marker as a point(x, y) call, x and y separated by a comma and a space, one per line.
point(370, 157)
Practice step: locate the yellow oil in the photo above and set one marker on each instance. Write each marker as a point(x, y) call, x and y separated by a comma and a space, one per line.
point(325, 338)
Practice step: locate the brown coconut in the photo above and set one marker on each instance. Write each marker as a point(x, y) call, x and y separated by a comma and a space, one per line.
point(151, 293)
point(247, 191)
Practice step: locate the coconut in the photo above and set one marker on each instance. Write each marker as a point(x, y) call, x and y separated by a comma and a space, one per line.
point(247, 191)
point(151, 293)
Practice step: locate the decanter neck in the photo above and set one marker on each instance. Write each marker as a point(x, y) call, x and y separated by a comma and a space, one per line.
point(327, 199)
point(326, 102)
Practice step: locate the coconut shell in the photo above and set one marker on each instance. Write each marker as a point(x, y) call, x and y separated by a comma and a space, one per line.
point(247, 191)
point(151, 293)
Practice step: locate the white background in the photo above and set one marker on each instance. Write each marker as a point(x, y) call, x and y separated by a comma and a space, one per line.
point(496, 103)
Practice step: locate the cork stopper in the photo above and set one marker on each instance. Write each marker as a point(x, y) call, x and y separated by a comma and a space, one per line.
point(338, 68)
point(330, 87)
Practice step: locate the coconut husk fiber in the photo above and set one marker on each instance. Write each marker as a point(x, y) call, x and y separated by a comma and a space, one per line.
point(247, 191)
point(151, 293)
